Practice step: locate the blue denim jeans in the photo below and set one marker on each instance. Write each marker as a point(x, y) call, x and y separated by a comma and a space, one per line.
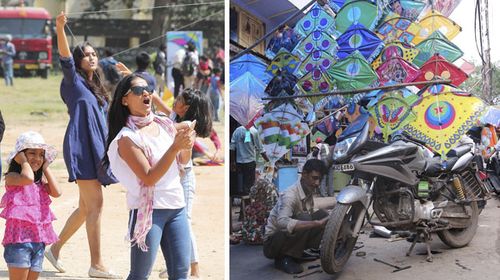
point(8, 73)
point(25, 255)
point(188, 182)
point(170, 231)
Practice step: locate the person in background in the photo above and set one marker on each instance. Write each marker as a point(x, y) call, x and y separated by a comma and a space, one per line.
point(28, 228)
point(160, 66)
point(244, 148)
point(215, 93)
point(189, 65)
point(7, 54)
point(204, 71)
point(111, 74)
point(293, 226)
point(142, 61)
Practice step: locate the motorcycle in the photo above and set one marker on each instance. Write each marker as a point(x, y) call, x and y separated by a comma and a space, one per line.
point(386, 178)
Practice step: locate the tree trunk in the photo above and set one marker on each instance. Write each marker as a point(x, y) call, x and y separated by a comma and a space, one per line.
point(159, 19)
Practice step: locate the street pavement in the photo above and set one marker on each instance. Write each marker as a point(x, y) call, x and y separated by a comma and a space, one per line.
point(479, 260)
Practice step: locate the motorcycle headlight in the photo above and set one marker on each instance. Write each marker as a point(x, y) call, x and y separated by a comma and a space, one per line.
point(342, 148)
point(42, 55)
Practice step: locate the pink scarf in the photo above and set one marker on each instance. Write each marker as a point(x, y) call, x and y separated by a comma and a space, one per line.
point(144, 219)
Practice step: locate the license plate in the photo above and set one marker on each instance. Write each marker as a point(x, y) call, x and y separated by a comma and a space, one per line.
point(344, 167)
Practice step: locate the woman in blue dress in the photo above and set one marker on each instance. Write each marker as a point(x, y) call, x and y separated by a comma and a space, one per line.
point(84, 146)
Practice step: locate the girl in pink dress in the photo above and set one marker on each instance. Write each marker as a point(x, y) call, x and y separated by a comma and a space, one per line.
point(28, 227)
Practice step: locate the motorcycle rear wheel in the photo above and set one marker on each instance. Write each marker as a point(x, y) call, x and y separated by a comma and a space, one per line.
point(458, 238)
point(337, 242)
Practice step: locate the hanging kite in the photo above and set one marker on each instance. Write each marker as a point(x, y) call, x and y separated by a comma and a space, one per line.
point(282, 83)
point(248, 63)
point(246, 95)
point(330, 124)
point(317, 19)
point(434, 21)
point(281, 129)
point(445, 7)
point(396, 48)
point(316, 60)
point(357, 37)
point(316, 40)
point(357, 11)
point(283, 61)
point(398, 28)
point(444, 115)
point(437, 43)
point(285, 37)
point(392, 112)
point(397, 70)
point(437, 67)
point(353, 72)
point(315, 81)
point(410, 9)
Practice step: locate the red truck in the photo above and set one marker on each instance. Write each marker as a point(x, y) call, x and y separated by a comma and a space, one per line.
point(31, 35)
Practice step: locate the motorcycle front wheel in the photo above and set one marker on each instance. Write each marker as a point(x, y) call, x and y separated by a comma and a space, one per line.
point(338, 240)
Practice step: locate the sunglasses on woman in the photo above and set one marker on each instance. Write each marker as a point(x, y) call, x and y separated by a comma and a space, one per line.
point(138, 90)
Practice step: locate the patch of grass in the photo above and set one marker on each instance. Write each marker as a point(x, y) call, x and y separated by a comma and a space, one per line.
point(33, 100)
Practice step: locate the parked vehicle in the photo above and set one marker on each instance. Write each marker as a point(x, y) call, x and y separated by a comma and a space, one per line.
point(31, 35)
point(389, 178)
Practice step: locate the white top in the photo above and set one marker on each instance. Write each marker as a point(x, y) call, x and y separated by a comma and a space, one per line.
point(168, 192)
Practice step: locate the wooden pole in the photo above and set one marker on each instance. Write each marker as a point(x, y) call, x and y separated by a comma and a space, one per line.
point(274, 30)
point(345, 92)
point(486, 72)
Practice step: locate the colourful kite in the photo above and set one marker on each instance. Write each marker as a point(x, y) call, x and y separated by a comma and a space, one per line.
point(437, 43)
point(437, 67)
point(280, 129)
point(410, 9)
point(316, 40)
point(248, 63)
point(357, 37)
point(398, 28)
point(444, 115)
point(285, 37)
point(283, 61)
point(392, 112)
point(315, 81)
point(316, 60)
point(246, 93)
point(396, 48)
point(353, 72)
point(435, 21)
point(317, 19)
point(282, 83)
point(397, 70)
point(445, 7)
point(357, 11)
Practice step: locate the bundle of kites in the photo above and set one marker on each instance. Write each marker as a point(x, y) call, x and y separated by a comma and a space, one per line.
point(351, 45)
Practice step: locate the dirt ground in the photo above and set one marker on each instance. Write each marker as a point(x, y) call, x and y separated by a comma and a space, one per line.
point(208, 211)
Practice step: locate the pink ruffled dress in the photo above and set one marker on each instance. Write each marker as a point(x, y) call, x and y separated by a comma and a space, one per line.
point(28, 215)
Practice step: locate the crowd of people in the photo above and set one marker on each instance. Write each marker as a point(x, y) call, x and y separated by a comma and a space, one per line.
point(137, 140)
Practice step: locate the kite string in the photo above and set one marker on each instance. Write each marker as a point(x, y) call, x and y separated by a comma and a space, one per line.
point(147, 8)
point(156, 38)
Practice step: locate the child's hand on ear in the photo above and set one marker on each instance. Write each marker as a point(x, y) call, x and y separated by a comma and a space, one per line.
point(45, 165)
point(20, 158)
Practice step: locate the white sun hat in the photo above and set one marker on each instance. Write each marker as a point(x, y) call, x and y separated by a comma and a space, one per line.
point(33, 140)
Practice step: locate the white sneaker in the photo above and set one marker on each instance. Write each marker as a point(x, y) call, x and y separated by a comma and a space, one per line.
point(55, 262)
point(95, 273)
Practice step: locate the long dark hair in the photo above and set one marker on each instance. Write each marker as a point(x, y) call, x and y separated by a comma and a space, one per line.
point(118, 113)
point(200, 109)
point(15, 167)
point(95, 84)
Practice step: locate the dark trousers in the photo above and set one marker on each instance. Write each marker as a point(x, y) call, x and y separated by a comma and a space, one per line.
point(178, 80)
point(246, 176)
point(293, 245)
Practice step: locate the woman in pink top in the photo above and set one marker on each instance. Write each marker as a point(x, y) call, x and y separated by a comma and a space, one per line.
point(28, 228)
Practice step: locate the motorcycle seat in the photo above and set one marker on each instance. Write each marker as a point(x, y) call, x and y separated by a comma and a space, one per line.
point(435, 166)
point(459, 151)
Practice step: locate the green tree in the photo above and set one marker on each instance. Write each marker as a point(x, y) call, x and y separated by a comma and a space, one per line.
point(475, 83)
